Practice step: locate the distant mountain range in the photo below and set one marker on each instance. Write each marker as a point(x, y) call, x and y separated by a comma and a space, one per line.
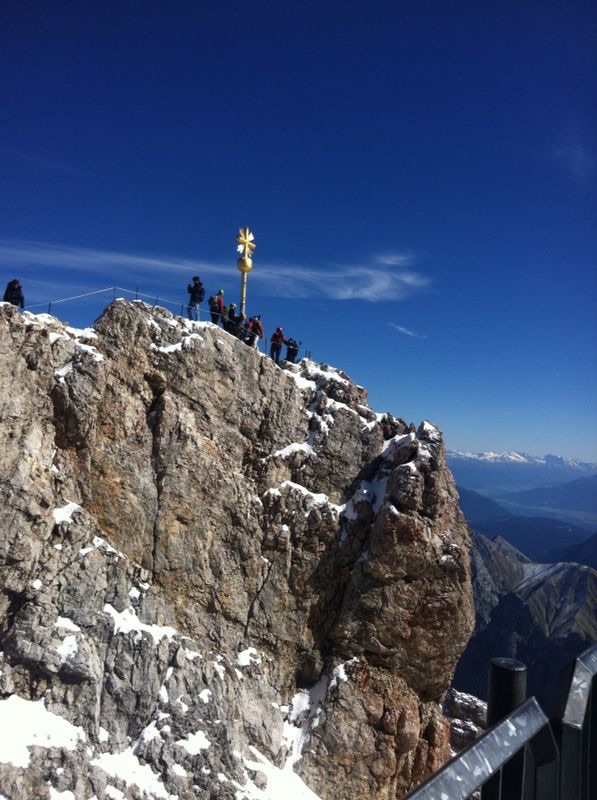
point(499, 474)
point(534, 578)
point(578, 495)
point(512, 457)
point(539, 538)
point(550, 486)
point(583, 553)
point(541, 614)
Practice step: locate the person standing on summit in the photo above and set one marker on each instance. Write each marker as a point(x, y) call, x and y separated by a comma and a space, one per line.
point(277, 341)
point(196, 295)
point(292, 348)
point(253, 331)
point(14, 293)
point(216, 307)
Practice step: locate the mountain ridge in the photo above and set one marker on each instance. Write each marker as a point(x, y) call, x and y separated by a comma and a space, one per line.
point(576, 495)
point(228, 575)
point(540, 614)
point(515, 457)
point(539, 538)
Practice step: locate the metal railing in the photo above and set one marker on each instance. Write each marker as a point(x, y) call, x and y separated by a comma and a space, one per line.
point(524, 755)
point(155, 300)
point(575, 726)
point(182, 309)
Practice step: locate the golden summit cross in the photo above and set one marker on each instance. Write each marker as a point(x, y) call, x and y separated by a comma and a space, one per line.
point(245, 242)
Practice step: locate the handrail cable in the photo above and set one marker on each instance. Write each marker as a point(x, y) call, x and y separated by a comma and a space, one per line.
point(137, 294)
point(76, 297)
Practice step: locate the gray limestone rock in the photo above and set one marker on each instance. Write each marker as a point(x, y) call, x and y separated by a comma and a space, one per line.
point(218, 578)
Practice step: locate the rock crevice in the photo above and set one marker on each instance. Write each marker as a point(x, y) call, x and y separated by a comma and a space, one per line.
point(216, 574)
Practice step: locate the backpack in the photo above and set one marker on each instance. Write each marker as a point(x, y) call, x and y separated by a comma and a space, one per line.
point(213, 303)
point(255, 326)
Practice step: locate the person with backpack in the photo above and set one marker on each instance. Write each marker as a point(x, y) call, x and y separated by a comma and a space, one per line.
point(232, 320)
point(253, 331)
point(277, 341)
point(216, 307)
point(292, 348)
point(196, 295)
point(14, 294)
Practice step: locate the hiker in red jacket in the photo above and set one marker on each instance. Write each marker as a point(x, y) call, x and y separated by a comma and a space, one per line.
point(216, 307)
point(253, 331)
point(277, 341)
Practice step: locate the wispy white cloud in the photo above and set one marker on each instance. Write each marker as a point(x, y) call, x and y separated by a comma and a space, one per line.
point(37, 161)
point(348, 282)
point(90, 260)
point(394, 259)
point(406, 331)
point(576, 157)
point(374, 281)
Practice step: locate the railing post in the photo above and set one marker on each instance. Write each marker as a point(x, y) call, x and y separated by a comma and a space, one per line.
point(49, 307)
point(542, 767)
point(136, 292)
point(591, 741)
point(506, 690)
point(575, 723)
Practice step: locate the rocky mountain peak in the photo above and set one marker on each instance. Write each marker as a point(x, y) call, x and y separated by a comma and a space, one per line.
point(219, 578)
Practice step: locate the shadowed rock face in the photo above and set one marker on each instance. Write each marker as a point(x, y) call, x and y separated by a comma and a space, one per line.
point(540, 614)
point(220, 577)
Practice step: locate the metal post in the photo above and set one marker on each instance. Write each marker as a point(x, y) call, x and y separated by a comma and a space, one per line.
point(541, 773)
point(243, 293)
point(136, 292)
point(575, 724)
point(506, 690)
point(246, 246)
point(591, 741)
point(50, 307)
point(114, 293)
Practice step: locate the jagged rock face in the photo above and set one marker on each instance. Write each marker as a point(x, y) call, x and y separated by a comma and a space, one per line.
point(540, 614)
point(220, 579)
point(468, 718)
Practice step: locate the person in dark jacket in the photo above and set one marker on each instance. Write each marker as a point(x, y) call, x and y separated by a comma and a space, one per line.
point(14, 293)
point(216, 307)
point(232, 320)
point(253, 331)
point(196, 295)
point(277, 341)
point(292, 348)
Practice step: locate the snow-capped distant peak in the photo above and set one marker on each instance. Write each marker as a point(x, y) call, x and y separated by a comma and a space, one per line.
point(511, 457)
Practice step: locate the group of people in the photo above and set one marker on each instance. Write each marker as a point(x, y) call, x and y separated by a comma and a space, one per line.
point(249, 331)
point(14, 293)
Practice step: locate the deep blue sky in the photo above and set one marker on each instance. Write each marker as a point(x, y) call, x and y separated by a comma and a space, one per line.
point(420, 178)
